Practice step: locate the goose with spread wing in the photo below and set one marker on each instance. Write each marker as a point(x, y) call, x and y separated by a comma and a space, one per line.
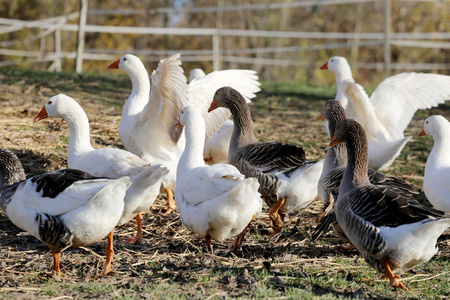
point(386, 114)
point(288, 181)
point(146, 128)
point(391, 230)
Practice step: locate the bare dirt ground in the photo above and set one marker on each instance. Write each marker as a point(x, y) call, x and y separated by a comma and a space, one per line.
point(171, 262)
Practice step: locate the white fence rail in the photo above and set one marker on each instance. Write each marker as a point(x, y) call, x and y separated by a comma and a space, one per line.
point(56, 25)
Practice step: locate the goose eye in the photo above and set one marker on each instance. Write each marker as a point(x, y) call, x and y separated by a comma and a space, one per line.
point(124, 59)
point(49, 102)
point(426, 122)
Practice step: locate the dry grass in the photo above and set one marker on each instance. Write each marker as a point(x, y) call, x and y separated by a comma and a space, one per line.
point(171, 262)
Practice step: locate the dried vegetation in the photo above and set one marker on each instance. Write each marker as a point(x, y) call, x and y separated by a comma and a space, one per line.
point(171, 262)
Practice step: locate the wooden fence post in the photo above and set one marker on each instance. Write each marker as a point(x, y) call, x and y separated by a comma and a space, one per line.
point(387, 37)
point(58, 50)
point(80, 40)
point(216, 51)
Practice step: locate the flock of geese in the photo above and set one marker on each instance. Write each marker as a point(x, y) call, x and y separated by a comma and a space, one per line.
point(170, 128)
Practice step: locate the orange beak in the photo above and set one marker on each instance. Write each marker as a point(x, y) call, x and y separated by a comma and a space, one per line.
point(324, 67)
point(334, 141)
point(41, 115)
point(213, 106)
point(320, 117)
point(422, 132)
point(178, 124)
point(114, 65)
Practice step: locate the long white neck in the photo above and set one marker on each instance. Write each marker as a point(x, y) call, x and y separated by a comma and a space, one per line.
point(140, 92)
point(195, 141)
point(79, 143)
point(342, 74)
point(439, 156)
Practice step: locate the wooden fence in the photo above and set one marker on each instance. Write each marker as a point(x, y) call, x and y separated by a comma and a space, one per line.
point(54, 26)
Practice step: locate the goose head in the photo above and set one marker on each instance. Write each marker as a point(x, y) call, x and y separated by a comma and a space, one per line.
point(331, 108)
point(225, 97)
point(128, 63)
point(335, 63)
point(190, 114)
point(339, 66)
point(187, 113)
point(196, 73)
point(434, 126)
point(56, 106)
point(346, 131)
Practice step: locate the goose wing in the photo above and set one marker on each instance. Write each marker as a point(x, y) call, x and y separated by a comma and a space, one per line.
point(60, 191)
point(273, 156)
point(386, 206)
point(202, 89)
point(397, 98)
point(209, 182)
point(167, 97)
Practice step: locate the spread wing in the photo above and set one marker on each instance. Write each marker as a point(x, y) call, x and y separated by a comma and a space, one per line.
point(167, 96)
point(202, 89)
point(363, 111)
point(397, 98)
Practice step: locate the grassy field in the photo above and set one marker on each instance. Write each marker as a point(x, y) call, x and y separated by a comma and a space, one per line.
point(171, 262)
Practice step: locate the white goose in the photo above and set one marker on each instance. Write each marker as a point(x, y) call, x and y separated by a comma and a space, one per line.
point(437, 168)
point(215, 201)
point(288, 181)
point(216, 148)
point(386, 114)
point(392, 231)
point(196, 73)
point(106, 162)
point(146, 128)
point(63, 208)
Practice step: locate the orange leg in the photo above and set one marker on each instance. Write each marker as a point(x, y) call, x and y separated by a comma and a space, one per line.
point(208, 243)
point(56, 263)
point(171, 206)
point(109, 254)
point(276, 220)
point(348, 247)
point(393, 280)
point(138, 236)
point(240, 238)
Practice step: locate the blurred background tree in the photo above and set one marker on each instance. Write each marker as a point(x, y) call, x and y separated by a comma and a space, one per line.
point(296, 65)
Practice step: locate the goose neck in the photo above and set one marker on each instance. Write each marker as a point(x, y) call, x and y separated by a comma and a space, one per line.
point(336, 157)
point(195, 140)
point(140, 92)
point(79, 142)
point(439, 154)
point(343, 73)
point(355, 174)
point(242, 131)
